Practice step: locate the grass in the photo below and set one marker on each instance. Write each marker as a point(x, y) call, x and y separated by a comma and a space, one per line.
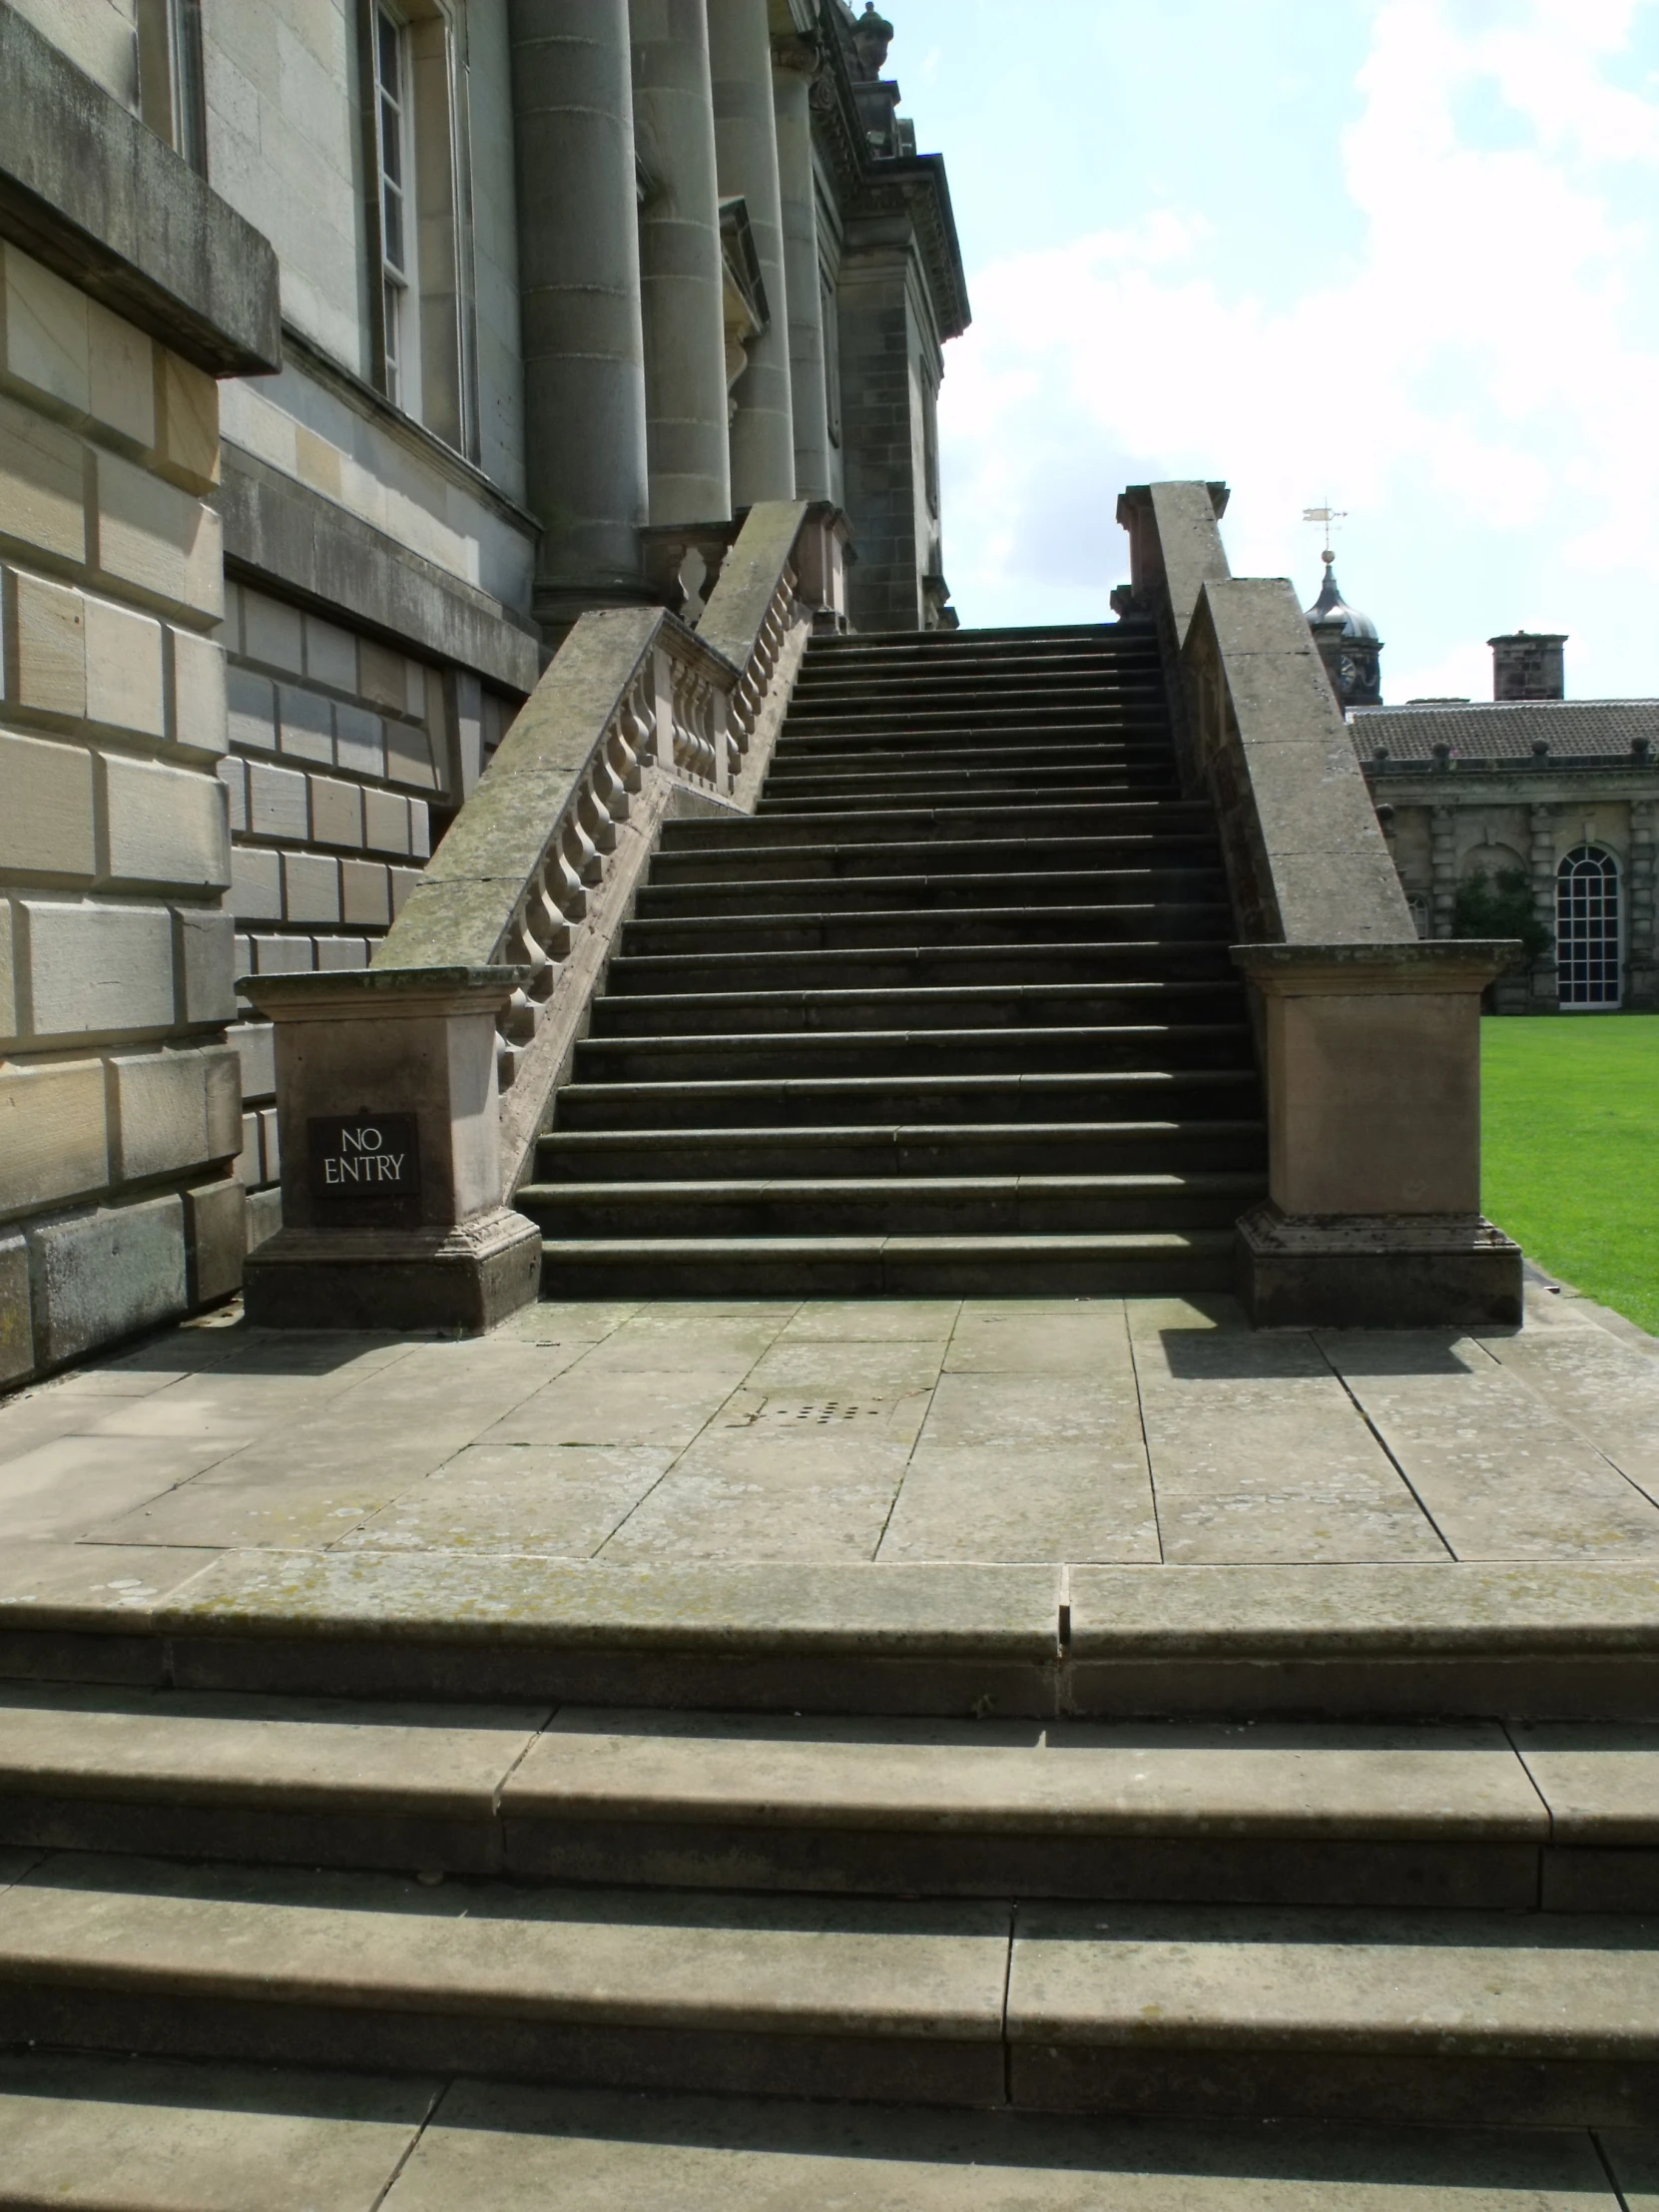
point(1570, 1149)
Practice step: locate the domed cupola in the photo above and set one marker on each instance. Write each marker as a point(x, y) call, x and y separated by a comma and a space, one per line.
point(1347, 641)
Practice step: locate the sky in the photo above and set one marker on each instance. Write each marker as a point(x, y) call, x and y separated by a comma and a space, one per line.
point(1400, 257)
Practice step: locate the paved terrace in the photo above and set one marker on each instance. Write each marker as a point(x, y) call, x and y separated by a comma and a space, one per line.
point(1134, 1434)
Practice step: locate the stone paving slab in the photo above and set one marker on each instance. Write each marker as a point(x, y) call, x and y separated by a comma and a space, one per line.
point(716, 1605)
point(1076, 1431)
point(522, 2150)
point(152, 2135)
point(145, 2135)
point(295, 1754)
point(1154, 1779)
point(1219, 1976)
point(801, 1965)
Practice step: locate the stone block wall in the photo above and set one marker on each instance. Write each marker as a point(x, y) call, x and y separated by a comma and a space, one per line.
point(342, 751)
point(889, 371)
point(118, 1113)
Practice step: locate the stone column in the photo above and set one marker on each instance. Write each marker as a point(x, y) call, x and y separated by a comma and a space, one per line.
point(1542, 859)
point(745, 146)
point(1639, 946)
point(686, 437)
point(579, 274)
point(1442, 867)
point(794, 65)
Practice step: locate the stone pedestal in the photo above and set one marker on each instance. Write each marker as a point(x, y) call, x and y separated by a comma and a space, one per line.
point(1373, 1064)
point(387, 1102)
point(680, 265)
point(746, 145)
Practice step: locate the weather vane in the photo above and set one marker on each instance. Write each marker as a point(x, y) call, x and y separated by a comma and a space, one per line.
point(1326, 516)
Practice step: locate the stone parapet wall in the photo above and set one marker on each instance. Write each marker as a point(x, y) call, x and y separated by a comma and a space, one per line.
point(118, 1113)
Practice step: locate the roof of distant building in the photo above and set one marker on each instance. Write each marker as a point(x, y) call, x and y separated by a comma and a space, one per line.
point(1581, 728)
point(1331, 603)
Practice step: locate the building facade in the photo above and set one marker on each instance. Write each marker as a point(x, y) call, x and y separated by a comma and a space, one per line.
point(1530, 817)
point(348, 353)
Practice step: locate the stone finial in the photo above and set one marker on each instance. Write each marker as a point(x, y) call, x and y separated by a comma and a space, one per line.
point(872, 36)
point(1528, 664)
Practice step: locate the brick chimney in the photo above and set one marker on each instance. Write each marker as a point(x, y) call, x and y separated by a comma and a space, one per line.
point(1527, 664)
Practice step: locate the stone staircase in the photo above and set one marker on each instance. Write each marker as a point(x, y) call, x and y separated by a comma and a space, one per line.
point(951, 1014)
point(610, 1932)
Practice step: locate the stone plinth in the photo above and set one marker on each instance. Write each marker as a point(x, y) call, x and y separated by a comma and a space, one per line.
point(1371, 1056)
point(386, 1101)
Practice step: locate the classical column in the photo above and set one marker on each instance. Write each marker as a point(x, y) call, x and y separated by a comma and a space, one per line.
point(1639, 930)
point(794, 65)
point(579, 279)
point(745, 146)
point(1442, 848)
point(687, 438)
point(1541, 822)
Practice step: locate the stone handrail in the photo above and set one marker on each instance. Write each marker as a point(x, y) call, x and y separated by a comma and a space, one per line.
point(1368, 1038)
point(439, 1060)
point(540, 866)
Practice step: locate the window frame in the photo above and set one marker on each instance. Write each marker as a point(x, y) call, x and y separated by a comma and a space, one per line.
point(171, 86)
point(1593, 980)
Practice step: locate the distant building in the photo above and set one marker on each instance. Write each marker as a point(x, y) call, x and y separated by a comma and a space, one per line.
point(1532, 815)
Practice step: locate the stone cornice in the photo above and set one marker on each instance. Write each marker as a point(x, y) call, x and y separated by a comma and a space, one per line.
point(909, 185)
point(1375, 970)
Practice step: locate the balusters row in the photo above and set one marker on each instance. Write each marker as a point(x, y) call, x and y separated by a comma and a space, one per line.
point(541, 932)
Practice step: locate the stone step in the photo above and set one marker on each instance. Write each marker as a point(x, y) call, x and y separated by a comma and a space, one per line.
point(1184, 921)
point(841, 795)
point(88, 2133)
point(1014, 1005)
point(759, 896)
point(1559, 1815)
point(760, 856)
point(1557, 1640)
point(971, 822)
point(921, 1051)
point(916, 731)
point(1190, 1094)
point(795, 1204)
point(1162, 1263)
point(1339, 2013)
point(1027, 769)
point(1064, 1147)
point(896, 695)
point(1149, 962)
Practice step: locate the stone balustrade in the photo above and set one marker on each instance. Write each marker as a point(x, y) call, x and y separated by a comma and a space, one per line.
point(1370, 1038)
point(636, 717)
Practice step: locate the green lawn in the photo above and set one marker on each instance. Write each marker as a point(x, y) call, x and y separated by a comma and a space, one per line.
point(1571, 1123)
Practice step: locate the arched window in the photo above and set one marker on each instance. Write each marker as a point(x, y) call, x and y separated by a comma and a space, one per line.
point(1588, 927)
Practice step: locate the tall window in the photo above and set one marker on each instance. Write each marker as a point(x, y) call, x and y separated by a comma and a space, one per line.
point(170, 94)
point(831, 353)
point(1588, 927)
point(413, 56)
point(393, 150)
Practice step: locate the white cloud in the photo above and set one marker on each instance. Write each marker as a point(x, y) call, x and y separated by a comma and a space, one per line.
point(1481, 377)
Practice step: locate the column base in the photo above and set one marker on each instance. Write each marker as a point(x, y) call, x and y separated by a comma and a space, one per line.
point(462, 1280)
point(1376, 1270)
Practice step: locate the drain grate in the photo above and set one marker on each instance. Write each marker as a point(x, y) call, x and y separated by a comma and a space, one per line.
point(819, 1412)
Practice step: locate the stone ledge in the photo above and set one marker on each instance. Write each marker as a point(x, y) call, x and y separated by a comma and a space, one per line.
point(279, 530)
point(87, 189)
point(1373, 969)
